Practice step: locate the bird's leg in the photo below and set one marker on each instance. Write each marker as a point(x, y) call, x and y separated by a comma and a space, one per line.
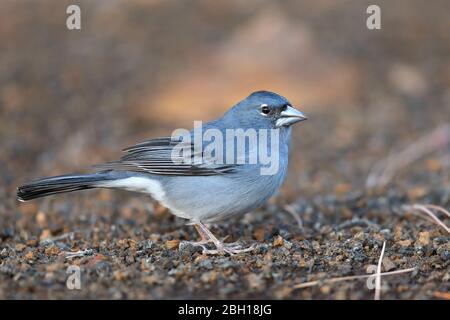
point(204, 238)
point(221, 247)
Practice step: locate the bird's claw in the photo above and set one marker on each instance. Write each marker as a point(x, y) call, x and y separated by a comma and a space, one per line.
point(221, 248)
point(235, 248)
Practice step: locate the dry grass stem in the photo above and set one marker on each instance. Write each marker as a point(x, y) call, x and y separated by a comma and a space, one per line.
point(426, 209)
point(378, 277)
point(383, 172)
point(291, 210)
point(348, 278)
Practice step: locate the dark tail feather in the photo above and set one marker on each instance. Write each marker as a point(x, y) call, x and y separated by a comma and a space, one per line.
point(59, 184)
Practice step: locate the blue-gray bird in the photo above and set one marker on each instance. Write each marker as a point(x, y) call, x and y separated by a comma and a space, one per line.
point(201, 191)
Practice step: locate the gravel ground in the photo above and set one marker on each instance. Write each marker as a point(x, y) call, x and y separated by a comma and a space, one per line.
point(131, 254)
point(118, 81)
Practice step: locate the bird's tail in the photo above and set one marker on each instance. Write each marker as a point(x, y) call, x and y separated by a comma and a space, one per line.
point(60, 184)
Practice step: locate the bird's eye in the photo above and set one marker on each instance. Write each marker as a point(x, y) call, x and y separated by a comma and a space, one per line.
point(265, 110)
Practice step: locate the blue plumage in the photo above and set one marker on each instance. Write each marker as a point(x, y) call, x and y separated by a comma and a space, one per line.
point(209, 190)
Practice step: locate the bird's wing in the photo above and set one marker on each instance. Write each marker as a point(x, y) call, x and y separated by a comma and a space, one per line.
point(156, 156)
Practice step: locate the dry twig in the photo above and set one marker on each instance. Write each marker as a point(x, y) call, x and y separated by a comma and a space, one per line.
point(291, 210)
point(382, 172)
point(78, 254)
point(347, 278)
point(427, 209)
point(378, 277)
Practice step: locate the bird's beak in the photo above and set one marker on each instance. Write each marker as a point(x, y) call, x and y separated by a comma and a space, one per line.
point(290, 116)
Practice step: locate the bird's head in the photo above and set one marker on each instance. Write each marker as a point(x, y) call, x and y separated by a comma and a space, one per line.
point(264, 109)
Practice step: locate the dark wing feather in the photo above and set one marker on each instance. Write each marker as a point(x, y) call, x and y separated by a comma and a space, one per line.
point(155, 156)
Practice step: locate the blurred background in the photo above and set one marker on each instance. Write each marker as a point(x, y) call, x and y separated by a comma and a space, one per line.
point(138, 69)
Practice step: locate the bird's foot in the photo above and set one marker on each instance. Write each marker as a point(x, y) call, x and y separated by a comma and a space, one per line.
point(232, 248)
point(220, 247)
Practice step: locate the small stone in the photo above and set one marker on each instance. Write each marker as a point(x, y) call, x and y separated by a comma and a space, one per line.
point(41, 219)
point(424, 238)
point(388, 264)
point(99, 257)
point(103, 269)
point(283, 293)
point(285, 234)
point(387, 234)
point(405, 243)
point(341, 295)
point(268, 257)
point(52, 251)
point(255, 282)
point(172, 244)
point(32, 243)
point(302, 262)
point(45, 234)
point(259, 234)
point(359, 236)
point(287, 244)
point(379, 237)
point(346, 213)
point(209, 277)
point(129, 259)
point(262, 248)
point(445, 255)
point(342, 188)
point(133, 244)
point(155, 237)
point(417, 192)
point(55, 267)
point(151, 280)
point(325, 289)
point(206, 263)
point(29, 255)
point(49, 276)
point(278, 241)
point(20, 247)
point(146, 245)
point(442, 295)
point(345, 268)
point(122, 243)
point(186, 246)
point(397, 232)
point(446, 277)
point(120, 275)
